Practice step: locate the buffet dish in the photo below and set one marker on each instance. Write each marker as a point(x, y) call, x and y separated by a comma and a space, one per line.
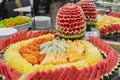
point(42, 55)
point(109, 27)
point(6, 32)
point(19, 22)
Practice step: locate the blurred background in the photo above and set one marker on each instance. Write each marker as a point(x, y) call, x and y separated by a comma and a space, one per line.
point(13, 8)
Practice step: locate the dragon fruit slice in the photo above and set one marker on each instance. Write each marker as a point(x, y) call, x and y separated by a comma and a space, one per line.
point(70, 22)
point(90, 12)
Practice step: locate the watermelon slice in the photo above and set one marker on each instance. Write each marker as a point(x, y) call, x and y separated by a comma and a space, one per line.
point(81, 75)
point(88, 73)
point(75, 72)
point(1, 66)
point(110, 64)
point(9, 73)
point(13, 38)
point(8, 41)
point(99, 71)
point(1, 45)
point(98, 42)
point(30, 35)
point(34, 76)
point(107, 50)
point(69, 75)
point(64, 74)
point(47, 75)
point(58, 71)
point(72, 74)
point(107, 65)
point(92, 39)
point(101, 42)
point(44, 75)
point(93, 73)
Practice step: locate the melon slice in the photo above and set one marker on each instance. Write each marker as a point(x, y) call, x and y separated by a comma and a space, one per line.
point(9, 73)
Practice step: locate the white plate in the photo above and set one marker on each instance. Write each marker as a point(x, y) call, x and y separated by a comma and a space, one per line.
point(42, 18)
point(5, 32)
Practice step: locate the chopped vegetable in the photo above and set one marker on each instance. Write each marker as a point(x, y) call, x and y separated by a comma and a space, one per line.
point(11, 22)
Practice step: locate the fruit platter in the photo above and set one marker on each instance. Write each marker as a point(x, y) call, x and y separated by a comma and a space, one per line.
point(19, 22)
point(46, 57)
point(109, 26)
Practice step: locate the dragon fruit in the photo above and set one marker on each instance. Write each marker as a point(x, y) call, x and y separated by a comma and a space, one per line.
point(90, 12)
point(70, 22)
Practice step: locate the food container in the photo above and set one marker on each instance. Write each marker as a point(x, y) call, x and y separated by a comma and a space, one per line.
point(42, 22)
point(19, 22)
point(23, 27)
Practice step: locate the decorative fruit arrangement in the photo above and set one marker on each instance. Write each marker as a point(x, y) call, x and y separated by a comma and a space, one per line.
point(82, 60)
point(106, 20)
point(111, 32)
point(89, 10)
point(11, 22)
point(109, 27)
point(29, 53)
point(70, 22)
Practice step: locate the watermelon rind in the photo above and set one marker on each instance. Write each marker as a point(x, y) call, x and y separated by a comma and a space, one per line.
point(90, 24)
point(114, 70)
point(23, 77)
point(72, 37)
point(106, 77)
point(61, 37)
point(103, 55)
point(2, 77)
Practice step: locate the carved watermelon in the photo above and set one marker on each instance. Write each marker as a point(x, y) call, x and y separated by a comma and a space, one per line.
point(70, 22)
point(90, 12)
